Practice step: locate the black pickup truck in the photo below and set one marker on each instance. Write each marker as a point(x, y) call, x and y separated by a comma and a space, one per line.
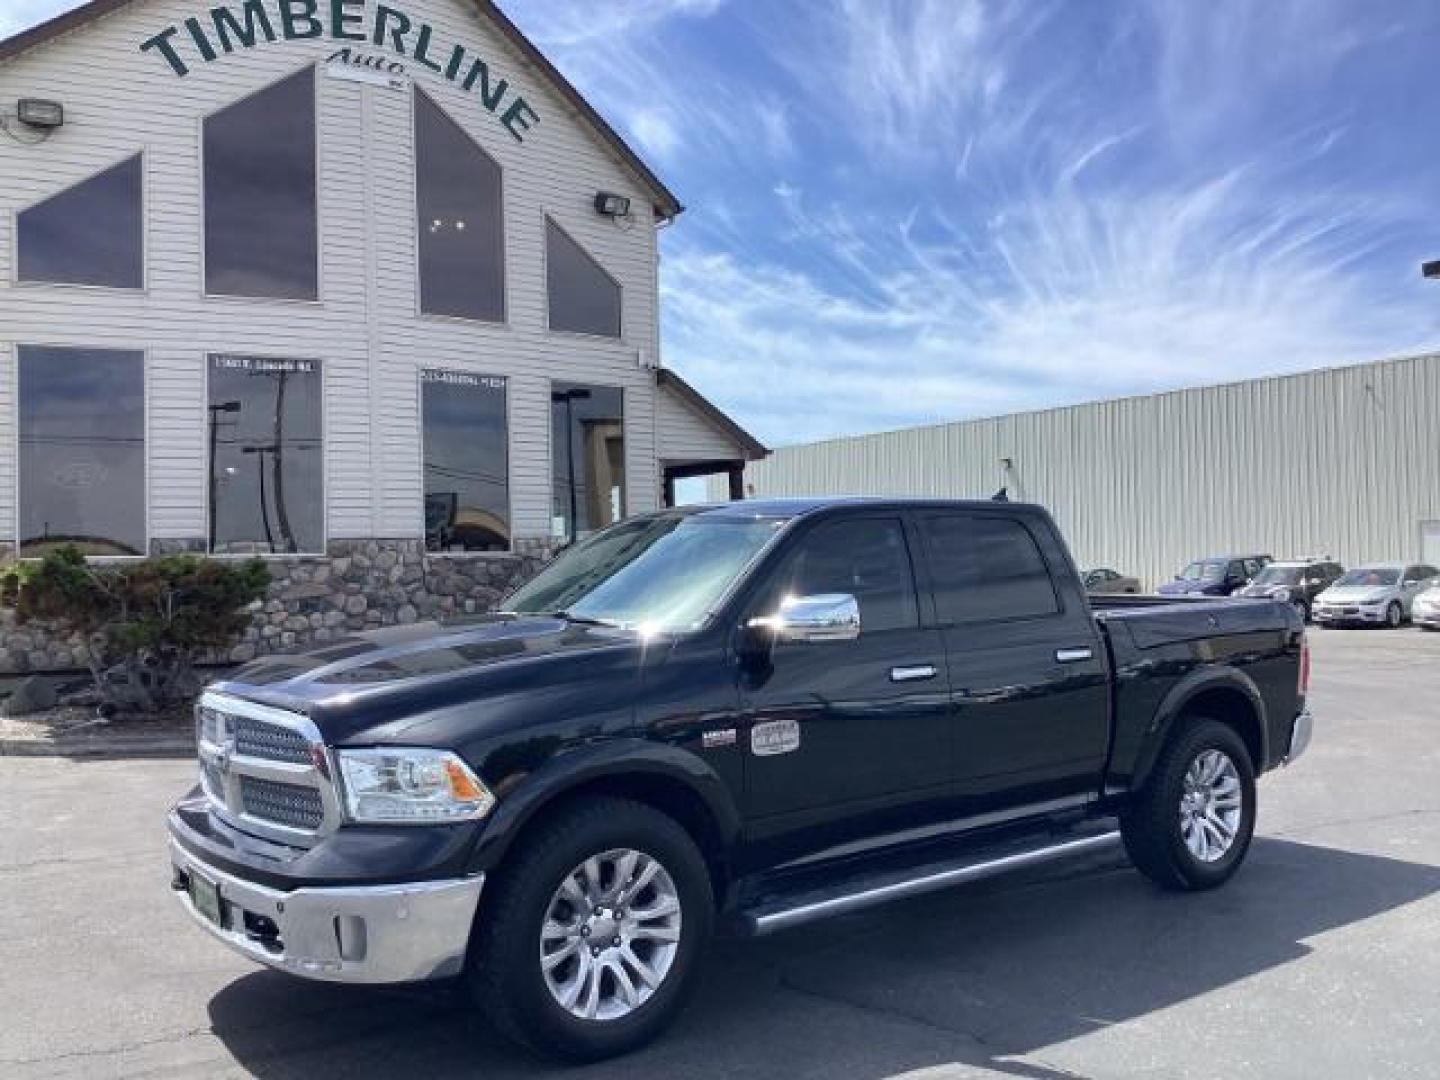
point(736, 717)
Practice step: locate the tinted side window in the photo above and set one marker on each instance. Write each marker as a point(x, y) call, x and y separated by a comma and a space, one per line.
point(260, 216)
point(868, 559)
point(987, 568)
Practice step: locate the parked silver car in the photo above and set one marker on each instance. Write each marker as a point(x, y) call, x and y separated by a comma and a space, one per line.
point(1381, 594)
point(1426, 610)
point(1103, 581)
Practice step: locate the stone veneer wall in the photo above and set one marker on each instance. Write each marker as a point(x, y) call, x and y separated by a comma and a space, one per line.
point(313, 599)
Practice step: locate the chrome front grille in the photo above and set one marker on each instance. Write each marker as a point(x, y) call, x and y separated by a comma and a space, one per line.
point(265, 770)
point(255, 738)
point(290, 804)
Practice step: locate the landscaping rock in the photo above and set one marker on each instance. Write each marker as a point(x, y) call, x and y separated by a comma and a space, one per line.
point(32, 695)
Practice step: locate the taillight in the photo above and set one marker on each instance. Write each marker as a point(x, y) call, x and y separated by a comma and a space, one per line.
point(1304, 665)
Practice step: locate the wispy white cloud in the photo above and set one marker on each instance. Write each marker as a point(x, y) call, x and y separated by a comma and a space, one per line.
point(17, 15)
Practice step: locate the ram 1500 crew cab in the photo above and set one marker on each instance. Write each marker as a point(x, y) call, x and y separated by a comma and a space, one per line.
point(749, 716)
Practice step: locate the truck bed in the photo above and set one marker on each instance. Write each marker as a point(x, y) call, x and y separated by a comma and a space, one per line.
point(1158, 644)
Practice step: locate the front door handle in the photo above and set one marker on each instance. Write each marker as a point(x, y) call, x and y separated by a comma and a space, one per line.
point(912, 672)
point(1073, 656)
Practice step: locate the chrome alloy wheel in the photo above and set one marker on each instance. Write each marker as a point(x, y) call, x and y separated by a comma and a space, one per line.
point(1211, 805)
point(610, 935)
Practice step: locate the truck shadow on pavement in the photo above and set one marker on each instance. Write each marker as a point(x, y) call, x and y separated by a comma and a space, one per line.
point(986, 977)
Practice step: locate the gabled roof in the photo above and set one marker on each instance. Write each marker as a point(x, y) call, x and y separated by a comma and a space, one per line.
point(753, 448)
point(665, 202)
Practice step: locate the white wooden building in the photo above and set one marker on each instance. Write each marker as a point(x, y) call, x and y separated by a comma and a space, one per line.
point(290, 276)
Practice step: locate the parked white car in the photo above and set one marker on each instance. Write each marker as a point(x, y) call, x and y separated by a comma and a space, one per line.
point(1381, 594)
point(1426, 610)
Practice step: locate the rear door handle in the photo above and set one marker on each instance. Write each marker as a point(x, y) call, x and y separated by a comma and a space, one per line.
point(1074, 656)
point(912, 672)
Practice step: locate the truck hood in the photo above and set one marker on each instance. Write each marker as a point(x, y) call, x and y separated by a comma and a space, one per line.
point(384, 681)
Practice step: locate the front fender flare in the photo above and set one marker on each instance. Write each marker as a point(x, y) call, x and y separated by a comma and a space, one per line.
point(613, 759)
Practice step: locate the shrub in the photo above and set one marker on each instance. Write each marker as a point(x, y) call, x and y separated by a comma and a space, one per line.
point(143, 624)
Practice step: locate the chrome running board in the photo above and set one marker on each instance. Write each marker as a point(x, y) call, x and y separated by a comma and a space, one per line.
point(783, 913)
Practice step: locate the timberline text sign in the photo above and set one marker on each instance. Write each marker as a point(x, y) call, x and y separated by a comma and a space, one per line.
point(246, 23)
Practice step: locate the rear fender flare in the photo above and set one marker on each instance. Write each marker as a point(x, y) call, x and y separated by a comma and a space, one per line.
point(1180, 699)
point(612, 761)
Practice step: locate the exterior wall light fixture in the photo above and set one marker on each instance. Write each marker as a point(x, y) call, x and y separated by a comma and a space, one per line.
point(1431, 269)
point(40, 113)
point(610, 205)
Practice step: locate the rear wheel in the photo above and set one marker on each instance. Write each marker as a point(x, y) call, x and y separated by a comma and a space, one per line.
point(1394, 615)
point(1189, 828)
point(591, 939)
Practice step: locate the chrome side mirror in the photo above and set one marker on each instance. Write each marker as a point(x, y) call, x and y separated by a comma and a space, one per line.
point(823, 617)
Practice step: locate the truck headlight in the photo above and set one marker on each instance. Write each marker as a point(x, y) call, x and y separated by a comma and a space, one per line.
point(412, 785)
point(1280, 594)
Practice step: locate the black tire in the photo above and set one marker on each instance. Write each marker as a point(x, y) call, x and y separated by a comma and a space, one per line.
point(1151, 825)
point(1394, 615)
point(504, 972)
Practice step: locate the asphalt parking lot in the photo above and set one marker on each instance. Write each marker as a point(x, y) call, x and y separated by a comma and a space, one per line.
point(1322, 959)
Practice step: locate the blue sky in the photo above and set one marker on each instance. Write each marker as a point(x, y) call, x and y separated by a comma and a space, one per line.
point(905, 211)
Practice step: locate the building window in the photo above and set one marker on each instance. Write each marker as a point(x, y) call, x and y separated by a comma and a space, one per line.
point(458, 201)
point(82, 450)
point(467, 465)
point(587, 442)
point(584, 299)
point(267, 491)
point(89, 234)
point(260, 215)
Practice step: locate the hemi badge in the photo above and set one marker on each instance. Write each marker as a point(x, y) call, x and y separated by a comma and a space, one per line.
point(721, 737)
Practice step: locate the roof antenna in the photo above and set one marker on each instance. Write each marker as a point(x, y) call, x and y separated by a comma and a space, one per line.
point(1003, 495)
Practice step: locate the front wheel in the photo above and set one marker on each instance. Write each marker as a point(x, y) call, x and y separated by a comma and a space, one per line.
point(1190, 826)
point(591, 940)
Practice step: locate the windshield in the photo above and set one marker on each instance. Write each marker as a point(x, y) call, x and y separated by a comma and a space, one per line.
point(665, 572)
point(1209, 570)
point(1368, 579)
point(1278, 575)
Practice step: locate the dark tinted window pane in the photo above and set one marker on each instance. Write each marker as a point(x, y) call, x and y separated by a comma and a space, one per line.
point(584, 299)
point(867, 558)
point(260, 221)
point(467, 486)
point(90, 234)
point(457, 192)
point(82, 450)
point(987, 568)
point(587, 442)
point(267, 462)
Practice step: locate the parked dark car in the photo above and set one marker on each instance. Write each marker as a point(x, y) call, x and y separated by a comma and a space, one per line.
point(1217, 576)
point(1296, 581)
point(751, 716)
point(1104, 581)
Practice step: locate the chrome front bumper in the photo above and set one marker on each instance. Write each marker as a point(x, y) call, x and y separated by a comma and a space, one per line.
point(359, 934)
point(1300, 733)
